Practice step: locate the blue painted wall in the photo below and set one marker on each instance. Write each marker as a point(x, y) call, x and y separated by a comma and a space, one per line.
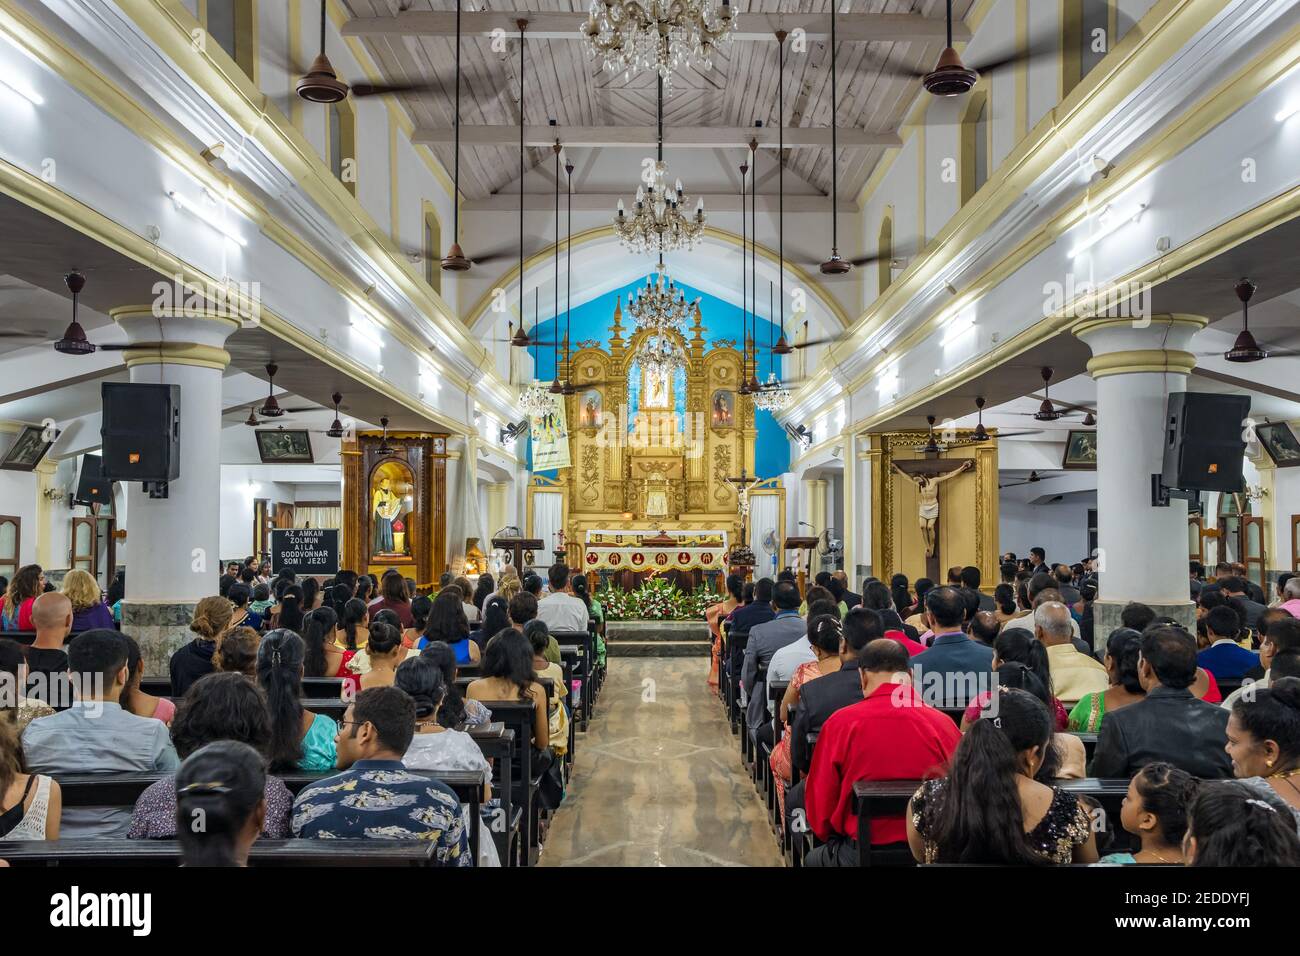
point(721, 320)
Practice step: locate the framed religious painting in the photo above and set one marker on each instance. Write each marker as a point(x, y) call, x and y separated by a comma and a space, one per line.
point(28, 448)
point(1080, 450)
point(1280, 443)
point(723, 414)
point(284, 446)
point(591, 408)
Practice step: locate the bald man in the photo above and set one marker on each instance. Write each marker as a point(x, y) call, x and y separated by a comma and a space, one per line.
point(47, 661)
point(848, 597)
point(1074, 674)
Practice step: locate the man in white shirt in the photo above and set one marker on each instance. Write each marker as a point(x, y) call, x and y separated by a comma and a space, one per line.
point(560, 610)
point(1074, 674)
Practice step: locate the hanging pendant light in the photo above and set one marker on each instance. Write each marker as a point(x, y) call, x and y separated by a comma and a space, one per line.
point(744, 287)
point(569, 387)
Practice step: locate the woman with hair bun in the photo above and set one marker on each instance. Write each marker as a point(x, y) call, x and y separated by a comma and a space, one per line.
point(437, 747)
point(1228, 824)
point(385, 651)
point(990, 808)
point(1123, 648)
point(1264, 744)
point(212, 617)
point(223, 786)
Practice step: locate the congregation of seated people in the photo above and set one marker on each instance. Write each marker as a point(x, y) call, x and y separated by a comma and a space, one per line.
point(234, 721)
point(993, 703)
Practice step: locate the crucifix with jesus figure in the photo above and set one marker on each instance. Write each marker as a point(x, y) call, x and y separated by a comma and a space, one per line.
point(927, 474)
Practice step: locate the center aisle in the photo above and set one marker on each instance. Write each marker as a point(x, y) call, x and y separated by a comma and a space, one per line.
point(658, 779)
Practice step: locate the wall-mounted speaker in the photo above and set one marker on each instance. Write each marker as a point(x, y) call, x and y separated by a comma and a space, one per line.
point(141, 431)
point(1204, 443)
point(92, 487)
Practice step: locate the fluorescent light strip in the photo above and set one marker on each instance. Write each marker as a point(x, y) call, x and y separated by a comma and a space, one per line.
point(30, 95)
point(1109, 228)
point(956, 329)
point(1288, 112)
point(367, 331)
point(205, 216)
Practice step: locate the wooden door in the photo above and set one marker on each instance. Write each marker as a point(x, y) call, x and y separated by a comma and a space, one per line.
point(10, 526)
point(85, 540)
point(1251, 549)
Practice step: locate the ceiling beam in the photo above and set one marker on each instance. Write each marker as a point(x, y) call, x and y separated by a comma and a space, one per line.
point(754, 27)
point(696, 137)
point(606, 202)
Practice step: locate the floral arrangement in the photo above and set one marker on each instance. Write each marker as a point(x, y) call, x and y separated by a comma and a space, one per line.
point(657, 599)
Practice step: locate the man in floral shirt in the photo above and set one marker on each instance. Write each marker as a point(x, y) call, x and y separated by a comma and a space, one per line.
point(375, 796)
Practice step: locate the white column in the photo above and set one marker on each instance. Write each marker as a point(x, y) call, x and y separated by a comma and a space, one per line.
point(1142, 548)
point(175, 541)
point(860, 530)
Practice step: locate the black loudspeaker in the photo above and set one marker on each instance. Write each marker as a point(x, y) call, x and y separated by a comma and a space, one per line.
point(92, 487)
point(141, 431)
point(1204, 441)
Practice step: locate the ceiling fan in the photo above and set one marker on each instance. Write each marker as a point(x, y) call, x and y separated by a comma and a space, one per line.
point(320, 84)
point(74, 341)
point(952, 77)
point(834, 266)
point(1049, 411)
point(981, 434)
point(271, 406)
point(1034, 478)
point(1246, 348)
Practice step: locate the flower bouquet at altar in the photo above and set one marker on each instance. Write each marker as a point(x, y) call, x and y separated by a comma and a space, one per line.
point(657, 599)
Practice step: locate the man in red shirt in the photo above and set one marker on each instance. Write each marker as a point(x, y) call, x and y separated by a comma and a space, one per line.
point(890, 735)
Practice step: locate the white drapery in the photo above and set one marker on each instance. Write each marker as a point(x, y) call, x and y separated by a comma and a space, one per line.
point(465, 520)
point(764, 516)
point(317, 517)
point(548, 518)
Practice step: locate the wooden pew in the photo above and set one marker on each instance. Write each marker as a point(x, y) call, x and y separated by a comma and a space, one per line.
point(27, 638)
point(586, 669)
point(311, 853)
point(124, 789)
point(517, 716)
point(498, 743)
point(876, 798)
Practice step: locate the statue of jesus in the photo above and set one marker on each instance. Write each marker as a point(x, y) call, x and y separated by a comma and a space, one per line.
point(927, 487)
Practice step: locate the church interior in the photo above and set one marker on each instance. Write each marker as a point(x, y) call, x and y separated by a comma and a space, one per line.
point(662, 294)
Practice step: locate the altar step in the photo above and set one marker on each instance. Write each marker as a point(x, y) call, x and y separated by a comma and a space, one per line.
point(657, 639)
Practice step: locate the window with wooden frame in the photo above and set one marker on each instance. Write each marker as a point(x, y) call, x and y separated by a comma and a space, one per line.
point(233, 25)
point(341, 143)
point(1089, 29)
point(10, 541)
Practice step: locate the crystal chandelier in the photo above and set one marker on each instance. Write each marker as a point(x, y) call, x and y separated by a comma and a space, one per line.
point(661, 35)
point(660, 305)
point(657, 224)
point(772, 396)
point(660, 355)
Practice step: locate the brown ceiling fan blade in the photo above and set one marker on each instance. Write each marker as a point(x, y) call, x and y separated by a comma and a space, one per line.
point(1032, 53)
point(875, 64)
point(388, 89)
point(20, 334)
point(809, 344)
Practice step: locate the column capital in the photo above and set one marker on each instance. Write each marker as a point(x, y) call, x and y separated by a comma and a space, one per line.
point(1158, 344)
point(175, 336)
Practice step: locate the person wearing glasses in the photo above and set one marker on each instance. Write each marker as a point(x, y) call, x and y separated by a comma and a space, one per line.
point(375, 796)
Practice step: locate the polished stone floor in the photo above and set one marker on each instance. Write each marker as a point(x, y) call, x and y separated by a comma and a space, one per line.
point(658, 779)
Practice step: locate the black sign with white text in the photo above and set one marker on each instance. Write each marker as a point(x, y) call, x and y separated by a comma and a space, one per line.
point(309, 551)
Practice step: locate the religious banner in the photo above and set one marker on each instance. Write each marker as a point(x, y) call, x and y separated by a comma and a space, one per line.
point(639, 558)
point(550, 436)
